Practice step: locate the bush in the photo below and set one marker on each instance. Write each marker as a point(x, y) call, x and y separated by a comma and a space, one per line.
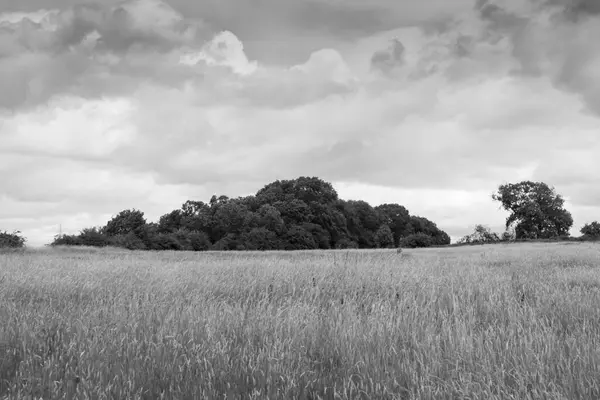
point(66, 240)
point(591, 230)
point(345, 243)
point(416, 240)
point(166, 241)
point(93, 237)
point(481, 235)
point(128, 241)
point(199, 241)
point(228, 242)
point(12, 240)
point(384, 238)
point(298, 238)
point(260, 239)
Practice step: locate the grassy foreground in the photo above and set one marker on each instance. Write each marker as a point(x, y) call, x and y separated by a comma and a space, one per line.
point(500, 322)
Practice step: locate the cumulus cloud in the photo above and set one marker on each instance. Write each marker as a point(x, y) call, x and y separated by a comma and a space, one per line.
point(131, 104)
point(92, 50)
point(225, 49)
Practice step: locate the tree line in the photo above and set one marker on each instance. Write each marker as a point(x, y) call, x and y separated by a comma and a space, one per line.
point(299, 214)
point(306, 213)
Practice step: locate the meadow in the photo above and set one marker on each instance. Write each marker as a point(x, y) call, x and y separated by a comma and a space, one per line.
point(518, 321)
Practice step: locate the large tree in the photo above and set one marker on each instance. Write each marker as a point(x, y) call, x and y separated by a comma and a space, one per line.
point(127, 221)
point(397, 218)
point(536, 210)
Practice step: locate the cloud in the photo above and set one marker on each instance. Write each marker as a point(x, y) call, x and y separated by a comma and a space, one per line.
point(575, 9)
point(225, 49)
point(148, 104)
point(385, 60)
point(93, 50)
point(546, 41)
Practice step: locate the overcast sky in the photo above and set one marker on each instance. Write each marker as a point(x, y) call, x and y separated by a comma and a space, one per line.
point(144, 104)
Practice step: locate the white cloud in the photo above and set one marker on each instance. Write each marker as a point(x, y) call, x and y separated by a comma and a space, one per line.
point(225, 49)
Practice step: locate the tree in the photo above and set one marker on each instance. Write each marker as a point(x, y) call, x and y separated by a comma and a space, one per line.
point(298, 238)
point(417, 240)
point(229, 217)
point(481, 235)
point(306, 189)
point(260, 239)
point(228, 242)
point(302, 213)
point(384, 238)
point(427, 227)
point(171, 222)
point(331, 219)
point(293, 212)
point(128, 241)
point(12, 240)
point(591, 230)
point(535, 208)
point(362, 221)
point(397, 218)
point(197, 216)
point(93, 237)
point(320, 235)
point(270, 218)
point(127, 221)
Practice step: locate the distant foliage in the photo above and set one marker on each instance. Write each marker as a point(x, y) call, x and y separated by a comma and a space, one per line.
point(591, 230)
point(126, 222)
point(12, 240)
point(536, 210)
point(128, 241)
point(384, 238)
point(417, 240)
point(299, 214)
point(481, 235)
point(93, 237)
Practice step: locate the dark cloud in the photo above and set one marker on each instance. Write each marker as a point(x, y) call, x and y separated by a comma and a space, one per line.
point(287, 31)
point(574, 10)
point(498, 18)
point(93, 50)
point(388, 59)
point(560, 50)
point(463, 46)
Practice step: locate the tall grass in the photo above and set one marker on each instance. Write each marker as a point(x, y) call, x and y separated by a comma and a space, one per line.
point(519, 321)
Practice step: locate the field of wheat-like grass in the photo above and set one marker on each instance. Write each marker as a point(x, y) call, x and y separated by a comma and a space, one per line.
point(515, 321)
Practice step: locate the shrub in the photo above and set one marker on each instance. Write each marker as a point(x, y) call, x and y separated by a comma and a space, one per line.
point(416, 240)
point(166, 241)
point(128, 241)
point(591, 230)
point(12, 240)
point(345, 243)
point(481, 235)
point(66, 240)
point(228, 242)
point(260, 239)
point(384, 238)
point(298, 238)
point(93, 237)
point(199, 241)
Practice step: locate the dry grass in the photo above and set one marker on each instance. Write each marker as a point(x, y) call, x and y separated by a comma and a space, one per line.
point(506, 322)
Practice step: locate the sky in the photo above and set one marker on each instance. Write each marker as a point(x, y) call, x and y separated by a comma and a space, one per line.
point(111, 105)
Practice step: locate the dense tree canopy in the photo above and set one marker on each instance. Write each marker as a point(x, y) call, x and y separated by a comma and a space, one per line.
point(303, 213)
point(591, 230)
point(12, 240)
point(536, 210)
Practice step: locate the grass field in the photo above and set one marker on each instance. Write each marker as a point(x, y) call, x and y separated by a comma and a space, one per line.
point(517, 321)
